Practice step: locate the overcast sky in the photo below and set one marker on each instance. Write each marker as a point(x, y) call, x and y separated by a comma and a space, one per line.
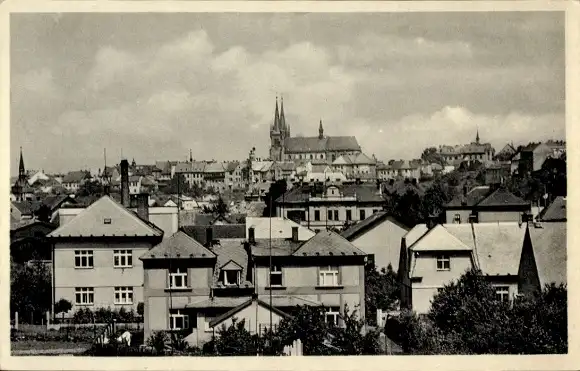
point(154, 86)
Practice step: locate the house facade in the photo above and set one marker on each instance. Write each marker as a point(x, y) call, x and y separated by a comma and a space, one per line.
point(474, 151)
point(319, 206)
point(432, 257)
point(196, 287)
point(532, 157)
point(356, 166)
point(96, 253)
point(484, 204)
point(379, 236)
point(74, 180)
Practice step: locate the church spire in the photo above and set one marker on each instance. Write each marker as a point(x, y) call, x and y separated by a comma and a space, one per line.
point(477, 136)
point(190, 156)
point(21, 169)
point(320, 130)
point(276, 117)
point(282, 118)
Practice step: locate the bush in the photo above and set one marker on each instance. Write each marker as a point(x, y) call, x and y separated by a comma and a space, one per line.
point(157, 341)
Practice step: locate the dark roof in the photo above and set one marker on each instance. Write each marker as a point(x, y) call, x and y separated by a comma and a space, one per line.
point(235, 310)
point(369, 223)
point(315, 144)
point(472, 198)
point(178, 246)
point(76, 176)
point(54, 202)
point(555, 212)
point(220, 232)
point(328, 243)
point(502, 197)
point(25, 207)
point(29, 223)
point(228, 250)
point(364, 193)
point(211, 219)
point(280, 247)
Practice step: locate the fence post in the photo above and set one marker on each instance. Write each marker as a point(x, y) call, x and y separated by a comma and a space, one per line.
point(16, 320)
point(47, 319)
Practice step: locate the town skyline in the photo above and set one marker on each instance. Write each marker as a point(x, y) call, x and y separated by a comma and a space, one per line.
point(436, 78)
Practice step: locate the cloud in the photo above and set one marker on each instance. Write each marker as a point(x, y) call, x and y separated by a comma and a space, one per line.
point(455, 125)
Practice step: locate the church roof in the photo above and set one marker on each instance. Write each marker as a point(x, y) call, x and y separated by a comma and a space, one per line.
point(315, 144)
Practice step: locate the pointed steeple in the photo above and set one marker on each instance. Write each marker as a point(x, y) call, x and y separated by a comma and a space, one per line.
point(190, 156)
point(477, 136)
point(21, 169)
point(282, 118)
point(276, 117)
point(320, 130)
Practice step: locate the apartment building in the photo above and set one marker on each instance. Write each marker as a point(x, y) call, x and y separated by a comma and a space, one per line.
point(323, 206)
point(196, 287)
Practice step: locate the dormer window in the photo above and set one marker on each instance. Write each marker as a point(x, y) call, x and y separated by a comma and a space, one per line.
point(107, 221)
point(231, 274)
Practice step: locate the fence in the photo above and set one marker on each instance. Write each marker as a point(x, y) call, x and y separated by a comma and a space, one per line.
point(293, 350)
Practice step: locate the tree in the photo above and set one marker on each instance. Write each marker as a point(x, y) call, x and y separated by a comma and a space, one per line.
point(177, 185)
point(468, 318)
point(141, 309)
point(434, 199)
point(308, 325)
point(218, 207)
point(432, 155)
point(30, 289)
point(381, 290)
point(276, 190)
point(351, 339)
point(235, 340)
point(89, 188)
point(62, 306)
point(43, 213)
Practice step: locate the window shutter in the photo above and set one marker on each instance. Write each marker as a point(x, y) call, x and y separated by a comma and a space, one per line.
point(339, 279)
point(318, 276)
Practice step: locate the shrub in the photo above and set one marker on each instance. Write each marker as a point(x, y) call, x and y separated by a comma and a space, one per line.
point(157, 341)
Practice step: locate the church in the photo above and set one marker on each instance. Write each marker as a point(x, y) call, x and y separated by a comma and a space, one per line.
point(320, 149)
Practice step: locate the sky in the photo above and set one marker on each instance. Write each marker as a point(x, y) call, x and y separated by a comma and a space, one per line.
point(153, 86)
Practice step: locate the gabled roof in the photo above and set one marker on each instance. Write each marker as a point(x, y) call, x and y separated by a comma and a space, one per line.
point(550, 251)
point(369, 223)
point(25, 207)
point(178, 246)
point(555, 212)
point(90, 222)
point(327, 243)
point(439, 239)
point(502, 197)
point(230, 251)
point(231, 266)
point(244, 305)
point(414, 234)
point(279, 247)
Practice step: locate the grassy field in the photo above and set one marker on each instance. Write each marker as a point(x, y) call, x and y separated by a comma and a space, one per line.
point(34, 348)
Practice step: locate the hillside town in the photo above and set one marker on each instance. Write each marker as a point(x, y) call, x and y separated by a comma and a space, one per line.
point(190, 249)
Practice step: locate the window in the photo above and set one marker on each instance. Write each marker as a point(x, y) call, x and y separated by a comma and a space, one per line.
point(178, 320)
point(107, 221)
point(123, 295)
point(443, 263)
point(178, 278)
point(122, 258)
point(231, 277)
point(362, 215)
point(316, 215)
point(335, 214)
point(502, 293)
point(348, 215)
point(457, 219)
point(84, 296)
point(330, 214)
point(83, 259)
point(328, 276)
point(331, 315)
point(276, 276)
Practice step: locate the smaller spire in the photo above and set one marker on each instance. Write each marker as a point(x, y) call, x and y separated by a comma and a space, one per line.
point(190, 156)
point(320, 130)
point(477, 136)
point(21, 169)
point(276, 117)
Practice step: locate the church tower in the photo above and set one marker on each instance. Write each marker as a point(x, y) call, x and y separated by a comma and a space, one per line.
point(18, 189)
point(277, 133)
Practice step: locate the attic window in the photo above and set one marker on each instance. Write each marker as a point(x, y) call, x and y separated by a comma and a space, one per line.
point(107, 221)
point(231, 277)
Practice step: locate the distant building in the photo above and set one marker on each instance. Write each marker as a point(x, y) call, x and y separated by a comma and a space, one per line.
point(532, 157)
point(283, 147)
point(400, 169)
point(21, 189)
point(75, 179)
point(474, 151)
point(486, 204)
point(555, 212)
point(359, 166)
point(320, 206)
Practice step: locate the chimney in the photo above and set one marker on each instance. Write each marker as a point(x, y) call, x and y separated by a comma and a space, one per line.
point(125, 201)
point(252, 235)
point(295, 234)
point(431, 221)
point(209, 236)
point(143, 206)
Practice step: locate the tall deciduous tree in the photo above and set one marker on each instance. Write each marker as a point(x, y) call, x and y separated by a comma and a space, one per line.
point(276, 190)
